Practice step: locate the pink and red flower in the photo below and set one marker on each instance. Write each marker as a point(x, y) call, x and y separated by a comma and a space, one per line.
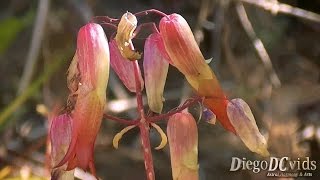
point(87, 80)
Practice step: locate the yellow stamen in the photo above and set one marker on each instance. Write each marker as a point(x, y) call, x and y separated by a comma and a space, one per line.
point(119, 135)
point(164, 139)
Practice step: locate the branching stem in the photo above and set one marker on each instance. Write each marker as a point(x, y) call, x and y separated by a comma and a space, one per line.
point(122, 121)
point(144, 124)
point(146, 12)
point(187, 104)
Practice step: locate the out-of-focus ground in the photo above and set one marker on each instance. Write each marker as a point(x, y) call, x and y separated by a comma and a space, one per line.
point(288, 114)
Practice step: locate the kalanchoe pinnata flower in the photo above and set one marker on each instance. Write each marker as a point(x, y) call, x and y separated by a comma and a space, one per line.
point(126, 27)
point(185, 54)
point(92, 73)
point(243, 121)
point(155, 72)
point(123, 67)
point(183, 143)
point(60, 137)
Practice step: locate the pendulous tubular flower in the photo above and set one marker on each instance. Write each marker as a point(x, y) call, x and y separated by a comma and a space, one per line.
point(126, 27)
point(243, 121)
point(155, 67)
point(123, 68)
point(185, 54)
point(89, 70)
point(182, 134)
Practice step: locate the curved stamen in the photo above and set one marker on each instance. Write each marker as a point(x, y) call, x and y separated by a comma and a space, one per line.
point(163, 136)
point(118, 136)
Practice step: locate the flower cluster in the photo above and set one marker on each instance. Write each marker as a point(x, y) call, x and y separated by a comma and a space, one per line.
point(73, 133)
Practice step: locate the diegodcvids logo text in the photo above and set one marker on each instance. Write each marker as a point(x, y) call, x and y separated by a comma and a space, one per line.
point(274, 164)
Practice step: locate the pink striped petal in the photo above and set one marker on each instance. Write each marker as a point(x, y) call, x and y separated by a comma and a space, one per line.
point(155, 72)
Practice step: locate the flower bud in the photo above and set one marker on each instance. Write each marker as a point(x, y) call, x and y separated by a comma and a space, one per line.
point(183, 142)
point(242, 119)
point(155, 72)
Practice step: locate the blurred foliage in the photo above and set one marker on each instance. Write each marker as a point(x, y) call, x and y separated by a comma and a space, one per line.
point(11, 26)
point(58, 60)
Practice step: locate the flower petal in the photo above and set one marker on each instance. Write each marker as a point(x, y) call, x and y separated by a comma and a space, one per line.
point(180, 45)
point(183, 142)
point(60, 136)
point(123, 68)
point(245, 125)
point(126, 27)
point(155, 72)
point(161, 47)
point(93, 56)
point(209, 116)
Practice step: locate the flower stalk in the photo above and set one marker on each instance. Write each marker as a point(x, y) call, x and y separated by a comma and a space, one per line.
point(144, 128)
point(144, 124)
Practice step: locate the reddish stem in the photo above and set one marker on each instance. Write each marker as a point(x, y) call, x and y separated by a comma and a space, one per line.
point(144, 124)
point(105, 24)
point(146, 12)
point(146, 148)
point(122, 121)
point(137, 74)
point(102, 19)
point(151, 25)
point(176, 110)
